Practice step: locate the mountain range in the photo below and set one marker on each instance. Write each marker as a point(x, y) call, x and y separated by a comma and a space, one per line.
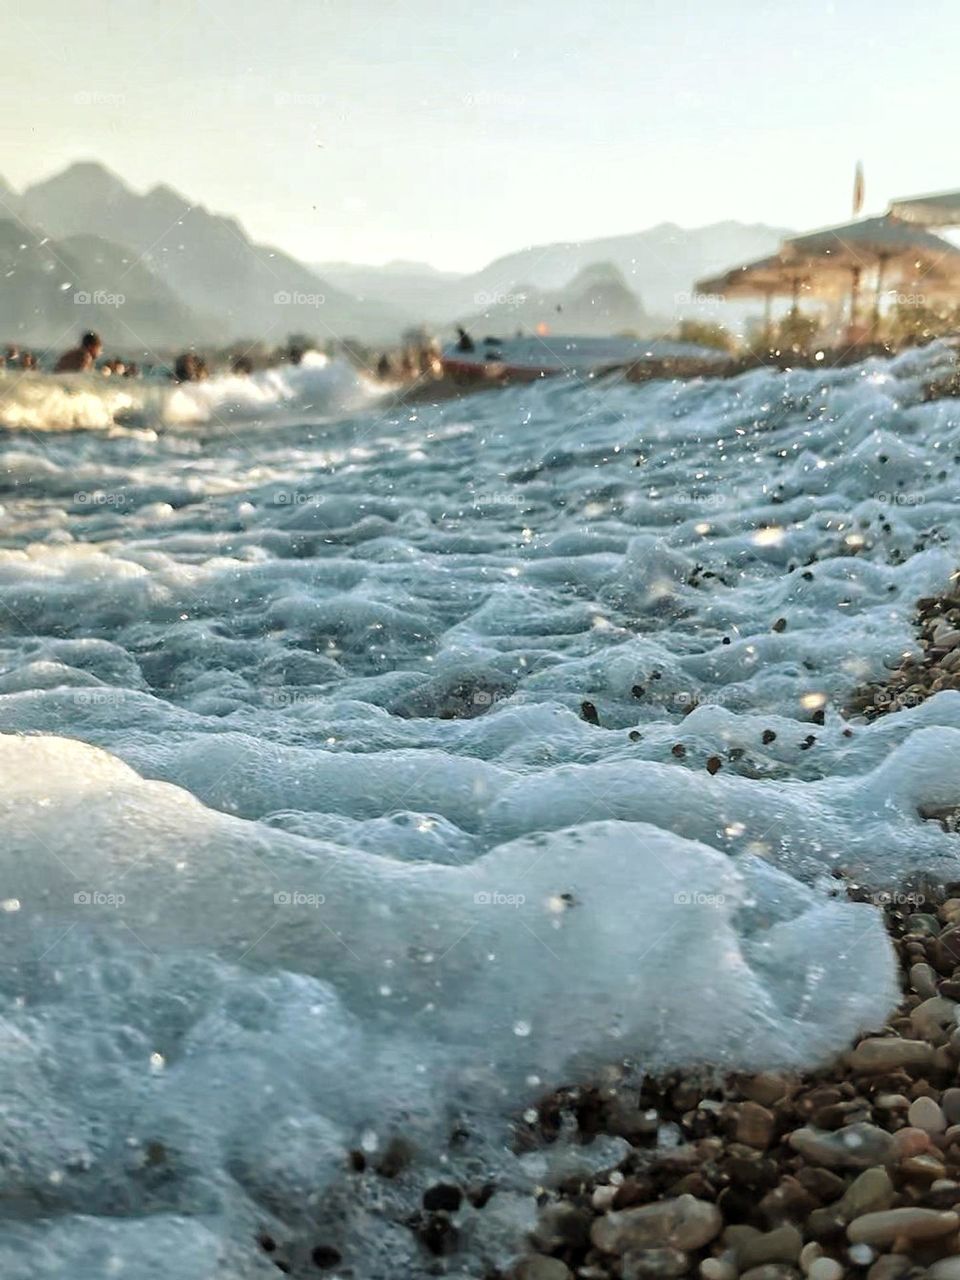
point(82, 249)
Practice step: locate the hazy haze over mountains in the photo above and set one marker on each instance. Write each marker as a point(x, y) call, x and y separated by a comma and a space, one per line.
point(186, 274)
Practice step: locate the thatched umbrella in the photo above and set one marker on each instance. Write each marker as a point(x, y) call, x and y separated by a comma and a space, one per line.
point(776, 276)
point(882, 243)
point(942, 210)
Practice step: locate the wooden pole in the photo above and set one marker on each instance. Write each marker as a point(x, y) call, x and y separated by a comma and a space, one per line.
point(881, 265)
point(854, 296)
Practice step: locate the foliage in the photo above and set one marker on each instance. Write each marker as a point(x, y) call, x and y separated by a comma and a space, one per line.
point(914, 321)
point(796, 332)
point(705, 335)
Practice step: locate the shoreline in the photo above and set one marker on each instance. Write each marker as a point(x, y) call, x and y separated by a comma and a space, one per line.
point(851, 1168)
point(449, 387)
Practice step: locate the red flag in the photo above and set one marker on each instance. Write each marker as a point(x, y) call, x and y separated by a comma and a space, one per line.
point(858, 189)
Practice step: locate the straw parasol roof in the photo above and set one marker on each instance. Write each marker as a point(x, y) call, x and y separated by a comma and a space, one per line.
point(942, 210)
point(778, 275)
point(876, 241)
point(883, 244)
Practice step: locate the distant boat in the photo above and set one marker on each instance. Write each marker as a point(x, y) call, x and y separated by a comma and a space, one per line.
point(529, 359)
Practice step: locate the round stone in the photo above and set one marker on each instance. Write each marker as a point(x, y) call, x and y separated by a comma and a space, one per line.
point(825, 1269)
point(926, 1114)
point(717, 1269)
point(540, 1267)
point(945, 1269)
point(683, 1222)
point(911, 1223)
point(858, 1146)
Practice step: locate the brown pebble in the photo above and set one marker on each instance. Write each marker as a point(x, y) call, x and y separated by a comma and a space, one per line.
point(890, 1266)
point(783, 1244)
point(925, 1167)
point(771, 1271)
point(680, 1223)
point(926, 1114)
point(869, 1192)
point(789, 1201)
point(755, 1125)
point(909, 1223)
point(856, 1147)
point(540, 1267)
point(885, 1053)
point(910, 1141)
point(654, 1264)
point(562, 1225)
point(714, 764)
point(950, 1101)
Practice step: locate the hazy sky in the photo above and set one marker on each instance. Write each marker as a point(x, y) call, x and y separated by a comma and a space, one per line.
point(453, 132)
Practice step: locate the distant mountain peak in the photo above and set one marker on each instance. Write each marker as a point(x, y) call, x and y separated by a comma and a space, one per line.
point(88, 176)
point(162, 193)
point(595, 273)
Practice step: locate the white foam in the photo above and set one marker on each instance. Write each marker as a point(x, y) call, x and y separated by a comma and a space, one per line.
point(319, 386)
point(344, 661)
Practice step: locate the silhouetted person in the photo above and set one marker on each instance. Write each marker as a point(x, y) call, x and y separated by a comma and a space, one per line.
point(464, 341)
point(185, 367)
point(242, 366)
point(83, 358)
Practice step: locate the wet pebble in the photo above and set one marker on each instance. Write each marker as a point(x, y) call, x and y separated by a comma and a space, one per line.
point(539, 1267)
point(681, 1223)
point(871, 1191)
point(825, 1269)
point(908, 1223)
point(856, 1147)
point(927, 1115)
point(649, 1264)
point(889, 1053)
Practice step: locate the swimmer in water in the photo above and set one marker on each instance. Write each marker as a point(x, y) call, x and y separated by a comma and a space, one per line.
point(83, 358)
point(185, 367)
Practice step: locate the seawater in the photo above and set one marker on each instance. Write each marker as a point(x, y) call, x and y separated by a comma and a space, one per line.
point(310, 844)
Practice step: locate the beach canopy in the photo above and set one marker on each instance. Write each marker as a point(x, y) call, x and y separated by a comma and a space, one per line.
point(942, 210)
point(774, 276)
point(777, 275)
point(873, 242)
point(885, 244)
